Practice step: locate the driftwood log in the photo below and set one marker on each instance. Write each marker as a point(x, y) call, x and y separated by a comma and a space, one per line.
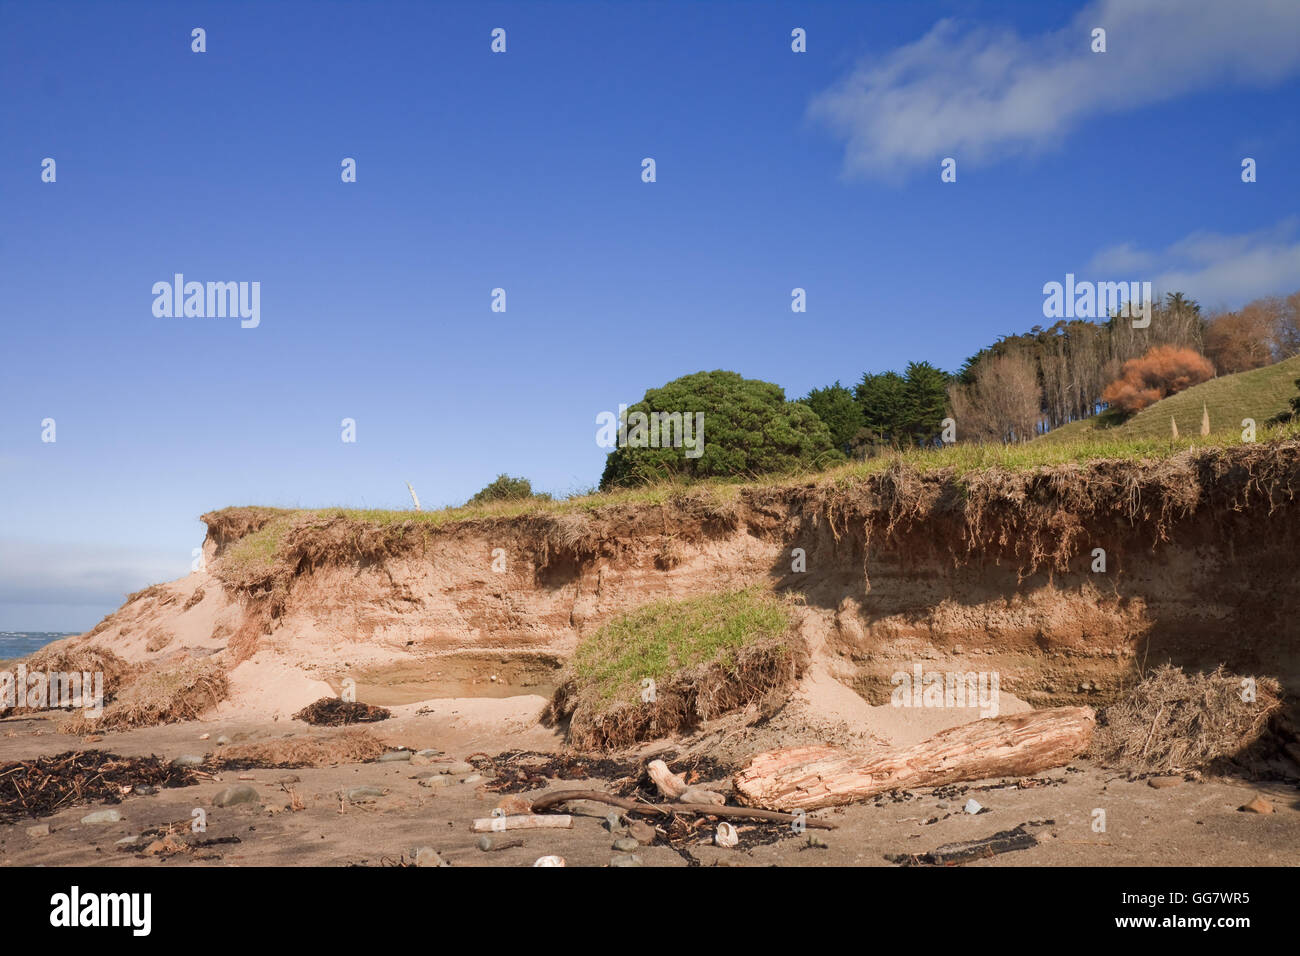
point(807, 778)
point(521, 821)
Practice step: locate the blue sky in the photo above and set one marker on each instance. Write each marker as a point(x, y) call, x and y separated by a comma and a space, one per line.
point(522, 171)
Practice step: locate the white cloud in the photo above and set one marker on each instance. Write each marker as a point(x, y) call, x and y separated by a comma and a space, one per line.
point(1213, 268)
point(976, 94)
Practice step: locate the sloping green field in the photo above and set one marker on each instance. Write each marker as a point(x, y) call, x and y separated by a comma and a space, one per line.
point(1258, 394)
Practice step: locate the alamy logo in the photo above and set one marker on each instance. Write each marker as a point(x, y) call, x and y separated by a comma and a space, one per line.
point(45, 690)
point(953, 689)
point(1098, 300)
point(103, 909)
point(212, 300)
point(651, 430)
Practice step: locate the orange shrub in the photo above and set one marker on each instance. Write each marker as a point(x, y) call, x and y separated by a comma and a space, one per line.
point(1163, 371)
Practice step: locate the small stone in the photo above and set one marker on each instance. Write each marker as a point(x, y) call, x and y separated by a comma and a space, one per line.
point(626, 845)
point(420, 760)
point(1258, 805)
point(364, 794)
point(1164, 783)
point(942, 805)
point(145, 789)
point(972, 806)
point(102, 816)
point(472, 778)
point(626, 859)
point(36, 832)
point(456, 767)
point(204, 736)
point(231, 796)
point(394, 755)
point(642, 832)
point(613, 822)
point(434, 780)
point(429, 752)
point(428, 856)
point(188, 760)
point(223, 740)
point(288, 778)
point(958, 649)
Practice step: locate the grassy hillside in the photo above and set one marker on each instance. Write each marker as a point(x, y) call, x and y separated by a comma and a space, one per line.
point(1259, 394)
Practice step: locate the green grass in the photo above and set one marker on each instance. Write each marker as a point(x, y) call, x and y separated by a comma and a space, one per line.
point(659, 640)
point(1258, 394)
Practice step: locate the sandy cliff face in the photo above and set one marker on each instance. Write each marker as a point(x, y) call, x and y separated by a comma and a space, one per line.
point(986, 572)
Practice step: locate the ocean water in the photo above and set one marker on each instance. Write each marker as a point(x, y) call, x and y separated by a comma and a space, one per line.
point(21, 643)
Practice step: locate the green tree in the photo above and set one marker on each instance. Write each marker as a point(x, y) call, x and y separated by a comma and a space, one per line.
point(748, 428)
point(836, 407)
point(883, 400)
point(505, 488)
point(926, 391)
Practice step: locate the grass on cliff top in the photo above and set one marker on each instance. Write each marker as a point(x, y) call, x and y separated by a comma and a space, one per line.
point(259, 548)
point(660, 640)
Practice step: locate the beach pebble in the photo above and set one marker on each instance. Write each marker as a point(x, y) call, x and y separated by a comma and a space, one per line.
point(434, 780)
point(1163, 783)
point(145, 789)
point(458, 766)
point(102, 816)
point(363, 794)
point(642, 832)
point(242, 793)
point(613, 822)
point(626, 859)
point(204, 736)
point(420, 760)
point(289, 778)
point(43, 830)
point(428, 856)
point(223, 740)
point(188, 760)
point(626, 845)
point(393, 755)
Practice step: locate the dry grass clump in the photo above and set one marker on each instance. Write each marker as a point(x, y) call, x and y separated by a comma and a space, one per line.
point(61, 656)
point(1173, 721)
point(348, 746)
point(160, 696)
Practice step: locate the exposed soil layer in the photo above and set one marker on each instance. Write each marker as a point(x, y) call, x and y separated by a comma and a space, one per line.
point(1063, 580)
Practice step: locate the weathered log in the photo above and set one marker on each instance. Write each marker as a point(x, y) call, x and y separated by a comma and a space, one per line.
point(806, 778)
